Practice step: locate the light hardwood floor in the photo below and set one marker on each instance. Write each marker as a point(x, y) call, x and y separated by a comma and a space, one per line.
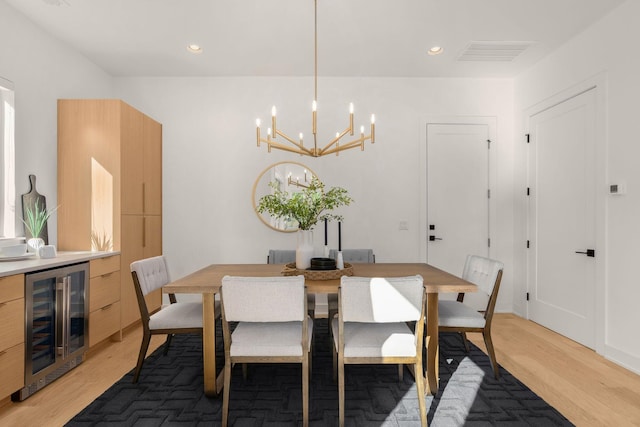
point(583, 386)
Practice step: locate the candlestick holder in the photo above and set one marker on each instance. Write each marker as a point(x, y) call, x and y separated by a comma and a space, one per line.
point(339, 261)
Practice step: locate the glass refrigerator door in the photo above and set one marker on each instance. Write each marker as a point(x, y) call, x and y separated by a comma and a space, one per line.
point(43, 336)
point(77, 321)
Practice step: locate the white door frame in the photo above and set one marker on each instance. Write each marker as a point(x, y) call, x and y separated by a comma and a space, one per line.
point(597, 83)
point(452, 120)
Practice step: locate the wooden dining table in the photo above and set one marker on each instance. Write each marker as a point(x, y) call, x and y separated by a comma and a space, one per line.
point(208, 280)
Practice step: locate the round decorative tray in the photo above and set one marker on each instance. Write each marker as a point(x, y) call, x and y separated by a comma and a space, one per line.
point(291, 270)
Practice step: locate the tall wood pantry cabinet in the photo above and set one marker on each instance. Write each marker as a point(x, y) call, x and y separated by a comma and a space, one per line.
point(110, 186)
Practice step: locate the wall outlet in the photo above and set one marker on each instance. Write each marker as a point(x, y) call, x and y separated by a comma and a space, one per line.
point(404, 225)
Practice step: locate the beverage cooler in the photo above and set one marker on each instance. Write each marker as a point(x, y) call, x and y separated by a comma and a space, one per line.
point(56, 333)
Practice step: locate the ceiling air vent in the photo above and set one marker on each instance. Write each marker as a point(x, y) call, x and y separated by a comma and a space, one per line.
point(493, 51)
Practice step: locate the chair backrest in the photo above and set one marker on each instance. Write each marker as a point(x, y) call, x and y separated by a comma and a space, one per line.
point(482, 272)
point(151, 273)
point(263, 299)
point(381, 300)
point(281, 256)
point(355, 255)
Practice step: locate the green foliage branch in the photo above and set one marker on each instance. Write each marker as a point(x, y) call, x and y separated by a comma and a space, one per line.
point(308, 206)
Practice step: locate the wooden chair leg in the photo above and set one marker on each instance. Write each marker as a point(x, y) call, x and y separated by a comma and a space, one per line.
point(465, 341)
point(167, 343)
point(335, 364)
point(225, 394)
point(420, 389)
point(305, 391)
point(245, 371)
point(400, 372)
point(340, 391)
point(492, 354)
point(144, 346)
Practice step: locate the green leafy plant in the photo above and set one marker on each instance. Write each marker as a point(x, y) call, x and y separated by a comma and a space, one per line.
point(36, 219)
point(307, 207)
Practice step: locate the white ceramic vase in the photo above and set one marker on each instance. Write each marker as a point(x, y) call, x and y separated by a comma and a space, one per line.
point(34, 244)
point(304, 250)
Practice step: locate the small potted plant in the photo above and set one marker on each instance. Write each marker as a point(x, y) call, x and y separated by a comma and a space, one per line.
point(306, 207)
point(36, 219)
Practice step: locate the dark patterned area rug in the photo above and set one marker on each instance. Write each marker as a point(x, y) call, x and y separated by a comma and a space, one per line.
point(170, 393)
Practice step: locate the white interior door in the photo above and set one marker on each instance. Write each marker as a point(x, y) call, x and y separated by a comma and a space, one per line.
point(457, 196)
point(562, 180)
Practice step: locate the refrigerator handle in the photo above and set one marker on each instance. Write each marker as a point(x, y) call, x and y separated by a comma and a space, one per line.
point(60, 327)
point(67, 314)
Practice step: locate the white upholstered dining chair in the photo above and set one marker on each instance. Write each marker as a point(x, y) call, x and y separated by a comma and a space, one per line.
point(359, 256)
point(149, 275)
point(273, 326)
point(286, 256)
point(372, 327)
point(456, 316)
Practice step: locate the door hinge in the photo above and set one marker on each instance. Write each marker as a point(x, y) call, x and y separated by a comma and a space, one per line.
point(527, 296)
point(489, 242)
point(488, 194)
point(528, 191)
point(527, 244)
point(528, 138)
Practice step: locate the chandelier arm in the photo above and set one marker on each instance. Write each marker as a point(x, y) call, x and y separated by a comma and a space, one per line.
point(349, 145)
point(334, 141)
point(294, 142)
point(295, 150)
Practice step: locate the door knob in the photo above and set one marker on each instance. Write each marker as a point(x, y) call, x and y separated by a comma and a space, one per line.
point(432, 238)
point(588, 252)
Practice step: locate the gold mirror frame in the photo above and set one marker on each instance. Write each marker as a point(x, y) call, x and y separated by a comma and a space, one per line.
point(290, 175)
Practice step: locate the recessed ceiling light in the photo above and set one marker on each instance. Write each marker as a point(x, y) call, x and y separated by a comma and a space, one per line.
point(194, 48)
point(436, 50)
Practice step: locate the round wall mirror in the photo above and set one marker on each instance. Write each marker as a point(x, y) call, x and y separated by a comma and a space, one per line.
point(291, 177)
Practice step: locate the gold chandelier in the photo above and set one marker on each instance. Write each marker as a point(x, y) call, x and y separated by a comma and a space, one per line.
point(297, 146)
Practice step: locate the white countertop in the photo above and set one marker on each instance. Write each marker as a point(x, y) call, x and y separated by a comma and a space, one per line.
point(28, 265)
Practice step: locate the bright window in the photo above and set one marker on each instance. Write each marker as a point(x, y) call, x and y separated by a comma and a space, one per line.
point(7, 160)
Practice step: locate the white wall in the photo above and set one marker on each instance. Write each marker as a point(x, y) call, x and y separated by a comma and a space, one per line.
point(609, 47)
point(211, 160)
point(43, 70)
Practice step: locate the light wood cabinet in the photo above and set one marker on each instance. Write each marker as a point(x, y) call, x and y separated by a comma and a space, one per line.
point(104, 299)
point(11, 334)
point(110, 188)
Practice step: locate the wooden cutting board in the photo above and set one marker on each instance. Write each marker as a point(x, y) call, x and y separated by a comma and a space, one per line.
point(29, 200)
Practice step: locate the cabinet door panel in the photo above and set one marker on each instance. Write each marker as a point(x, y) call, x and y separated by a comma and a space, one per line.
point(11, 370)
point(153, 247)
point(132, 250)
point(132, 154)
point(104, 323)
point(152, 167)
point(12, 320)
point(153, 235)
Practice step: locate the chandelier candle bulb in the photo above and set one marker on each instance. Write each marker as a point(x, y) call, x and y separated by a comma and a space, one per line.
point(314, 116)
point(373, 128)
point(273, 120)
point(351, 118)
point(258, 131)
